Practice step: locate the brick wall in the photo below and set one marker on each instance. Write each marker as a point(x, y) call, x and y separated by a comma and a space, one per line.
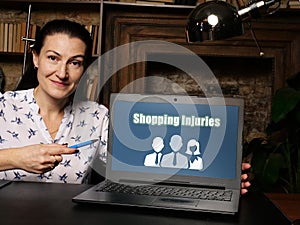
point(251, 79)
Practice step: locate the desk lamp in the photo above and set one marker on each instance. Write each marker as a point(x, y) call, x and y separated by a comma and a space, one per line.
point(218, 20)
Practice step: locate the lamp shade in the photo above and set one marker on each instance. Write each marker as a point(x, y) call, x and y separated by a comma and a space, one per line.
point(213, 20)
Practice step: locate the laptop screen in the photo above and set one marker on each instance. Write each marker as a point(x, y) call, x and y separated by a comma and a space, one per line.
point(182, 135)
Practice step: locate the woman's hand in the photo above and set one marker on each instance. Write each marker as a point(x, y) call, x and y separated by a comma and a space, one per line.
point(244, 178)
point(38, 158)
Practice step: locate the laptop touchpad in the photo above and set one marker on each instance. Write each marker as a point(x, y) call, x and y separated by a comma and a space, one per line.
point(164, 201)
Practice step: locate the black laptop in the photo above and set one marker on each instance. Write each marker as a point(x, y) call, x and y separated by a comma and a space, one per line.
point(4, 183)
point(172, 152)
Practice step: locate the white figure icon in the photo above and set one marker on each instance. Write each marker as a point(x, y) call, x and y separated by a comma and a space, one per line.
point(175, 159)
point(193, 149)
point(153, 159)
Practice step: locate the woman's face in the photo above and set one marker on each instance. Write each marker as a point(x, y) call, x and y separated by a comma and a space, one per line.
point(60, 65)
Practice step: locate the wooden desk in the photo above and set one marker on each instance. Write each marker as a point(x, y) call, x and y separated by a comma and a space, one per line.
point(289, 204)
point(50, 204)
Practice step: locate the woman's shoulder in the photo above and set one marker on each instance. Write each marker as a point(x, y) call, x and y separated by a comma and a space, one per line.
point(17, 95)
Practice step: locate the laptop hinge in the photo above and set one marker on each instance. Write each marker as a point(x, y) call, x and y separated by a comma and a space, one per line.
point(187, 184)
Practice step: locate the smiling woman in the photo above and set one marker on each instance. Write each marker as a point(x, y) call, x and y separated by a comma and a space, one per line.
point(60, 67)
point(39, 122)
point(42, 120)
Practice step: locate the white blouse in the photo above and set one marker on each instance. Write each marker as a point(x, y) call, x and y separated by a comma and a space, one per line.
point(21, 125)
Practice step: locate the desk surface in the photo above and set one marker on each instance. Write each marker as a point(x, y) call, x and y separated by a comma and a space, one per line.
point(41, 203)
point(289, 204)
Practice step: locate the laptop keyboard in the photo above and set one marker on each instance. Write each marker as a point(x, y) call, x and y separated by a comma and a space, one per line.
point(167, 191)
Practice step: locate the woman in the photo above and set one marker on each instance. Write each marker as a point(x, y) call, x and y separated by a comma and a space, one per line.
point(37, 124)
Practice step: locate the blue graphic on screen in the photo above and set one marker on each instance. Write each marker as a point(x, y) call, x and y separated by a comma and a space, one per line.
point(165, 137)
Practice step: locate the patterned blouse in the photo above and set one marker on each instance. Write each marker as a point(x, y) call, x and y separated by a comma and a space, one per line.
point(21, 125)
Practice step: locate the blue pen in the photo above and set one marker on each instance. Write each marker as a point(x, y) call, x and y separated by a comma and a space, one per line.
point(83, 143)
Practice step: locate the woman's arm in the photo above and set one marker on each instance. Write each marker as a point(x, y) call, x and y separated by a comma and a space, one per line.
point(33, 158)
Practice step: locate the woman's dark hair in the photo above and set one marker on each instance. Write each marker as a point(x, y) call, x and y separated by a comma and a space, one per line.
point(59, 26)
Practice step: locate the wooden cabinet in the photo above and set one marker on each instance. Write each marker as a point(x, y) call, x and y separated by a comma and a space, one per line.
point(278, 35)
point(236, 62)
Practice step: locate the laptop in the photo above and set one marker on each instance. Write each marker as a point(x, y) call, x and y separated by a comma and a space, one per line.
point(172, 152)
point(4, 183)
